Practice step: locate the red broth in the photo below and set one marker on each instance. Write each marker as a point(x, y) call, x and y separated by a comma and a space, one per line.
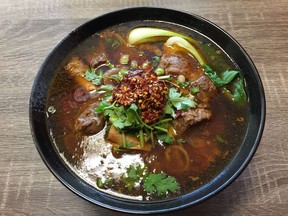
point(195, 158)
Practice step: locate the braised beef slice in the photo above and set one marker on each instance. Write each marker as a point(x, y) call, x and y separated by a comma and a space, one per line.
point(88, 121)
point(190, 117)
point(207, 91)
point(202, 112)
point(180, 63)
point(96, 59)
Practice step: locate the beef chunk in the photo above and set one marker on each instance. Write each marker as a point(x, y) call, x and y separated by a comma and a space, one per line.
point(206, 93)
point(88, 121)
point(181, 63)
point(202, 112)
point(96, 59)
point(152, 48)
point(76, 69)
point(187, 118)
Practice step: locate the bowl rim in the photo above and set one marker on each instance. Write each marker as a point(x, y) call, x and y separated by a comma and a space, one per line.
point(67, 177)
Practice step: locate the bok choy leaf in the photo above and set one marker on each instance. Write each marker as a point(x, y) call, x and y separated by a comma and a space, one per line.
point(147, 34)
point(179, 41)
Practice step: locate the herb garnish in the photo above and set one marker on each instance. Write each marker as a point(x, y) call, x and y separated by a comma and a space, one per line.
point(95, 76)
point(160, 183)
point(153, 183)
point(239, 94)
point(176, 100)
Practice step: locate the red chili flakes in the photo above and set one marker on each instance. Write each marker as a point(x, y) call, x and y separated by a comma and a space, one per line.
point(146, 91)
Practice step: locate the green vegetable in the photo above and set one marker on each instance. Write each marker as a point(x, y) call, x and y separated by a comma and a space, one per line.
point(239, 94)
point(153, 183)
point(118, 115)
point(104, 183)
point(181, 78)
point(147, 34)
point(100, 184)
point(225, 78)
point(163, 77)
point(181, 140)
point(194, 90)
point(136, 172)
point(155, 61)
point(164, 137)
point(94, 76)
point(186, 45)
point(185, 84)
point(175, 100)
point(124, 59)
point(123, 72)
point(159, 71)
point(145, 64)
point(105, 88)
point(109, 64)
point(219, 138)
point(130, 144)
point(124, 143)
point(122, 118)
point(134, 64)
point(160, 183)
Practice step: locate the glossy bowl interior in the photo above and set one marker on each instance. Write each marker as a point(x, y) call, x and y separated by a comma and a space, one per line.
point(47, 72)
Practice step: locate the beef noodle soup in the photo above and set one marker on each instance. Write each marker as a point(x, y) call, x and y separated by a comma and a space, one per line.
point(147, 110)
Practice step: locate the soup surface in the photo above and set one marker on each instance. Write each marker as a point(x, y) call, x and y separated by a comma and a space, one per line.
point(147, 110)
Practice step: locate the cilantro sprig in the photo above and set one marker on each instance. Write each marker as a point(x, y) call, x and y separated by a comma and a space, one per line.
point(152, 183)
point(178, 102)
point(95, 76)
point(226, 77)
point(237, 93)
point(128, 119)
point(160, 183)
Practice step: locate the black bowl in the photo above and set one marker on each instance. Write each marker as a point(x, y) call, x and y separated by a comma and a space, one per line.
point(47, 72)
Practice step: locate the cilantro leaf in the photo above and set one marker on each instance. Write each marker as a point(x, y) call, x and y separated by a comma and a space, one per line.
point(152, 183)
point(136, 172)
point(105, 88)
point(132, 114)
point(178, 101)
point(133, 175)
point(117, 115)
point(155, 61)
point(226, 77)
point(103, 105)
point(169, 109)
point(185, 84)
point(165, 137)
point(94, 76)
point(194, 90)
point(160, 183)
point(239, 95)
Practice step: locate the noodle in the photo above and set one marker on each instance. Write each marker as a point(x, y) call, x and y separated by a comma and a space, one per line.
point(179, 153)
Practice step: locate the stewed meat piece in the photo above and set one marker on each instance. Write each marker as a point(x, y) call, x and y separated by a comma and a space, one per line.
point(202, 112)
point(178, 63)
point(88, 121)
